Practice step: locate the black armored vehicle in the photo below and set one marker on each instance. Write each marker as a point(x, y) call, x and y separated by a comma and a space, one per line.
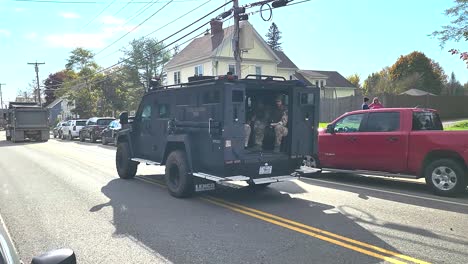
point(222, 130)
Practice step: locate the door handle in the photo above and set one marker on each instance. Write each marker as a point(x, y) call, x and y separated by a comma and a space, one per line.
point(392, 139)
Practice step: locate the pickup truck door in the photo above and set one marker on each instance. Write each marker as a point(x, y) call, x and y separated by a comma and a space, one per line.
point(383, 143)
point(340, 149)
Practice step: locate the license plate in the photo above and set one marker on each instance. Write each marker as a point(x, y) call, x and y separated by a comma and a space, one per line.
point(265, 170)
point(204, 187)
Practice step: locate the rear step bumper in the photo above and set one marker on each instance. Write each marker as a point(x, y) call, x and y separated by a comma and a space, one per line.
point(221, 180)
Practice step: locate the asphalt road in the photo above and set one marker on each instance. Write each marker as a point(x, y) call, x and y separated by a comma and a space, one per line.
point(67, 194)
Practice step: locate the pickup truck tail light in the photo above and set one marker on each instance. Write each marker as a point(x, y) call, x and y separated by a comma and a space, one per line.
point(74, 128)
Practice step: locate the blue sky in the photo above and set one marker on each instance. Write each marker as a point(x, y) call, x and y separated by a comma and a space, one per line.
point(360, 36)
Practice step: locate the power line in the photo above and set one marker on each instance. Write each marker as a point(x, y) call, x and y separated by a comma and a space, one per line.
point(123, 8)
point(91, 2)
point(140, 11)
point(154, 31)
point(100, 13)
point(124, 60)
point(144, 21)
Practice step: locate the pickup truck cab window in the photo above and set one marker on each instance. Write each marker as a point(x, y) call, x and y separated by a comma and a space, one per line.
point(349, 124)
point(426, 121)
point(383, 122)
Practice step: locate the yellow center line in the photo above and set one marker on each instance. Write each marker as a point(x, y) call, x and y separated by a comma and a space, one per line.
point(299, 227)
point(395, 254)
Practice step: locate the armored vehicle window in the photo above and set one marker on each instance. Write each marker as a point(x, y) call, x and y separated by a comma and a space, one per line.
point(211, 97)
point(163, 110)
point(146, 113)
point(307, 98)
point(237, 96)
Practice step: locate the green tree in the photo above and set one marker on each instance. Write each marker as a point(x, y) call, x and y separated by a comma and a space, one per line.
point(84, 91)
point(454, 87)
point(355, 79)
point(415, 70)
point(273, 37)
point(144, 60)
point(457, 30)
point(54, 82)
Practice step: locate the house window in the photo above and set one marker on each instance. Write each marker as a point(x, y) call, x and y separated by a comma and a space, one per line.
point(317, 83)
point(321, 83)
point(232, 68)
point(177, 77)
point(199, 70)
point(258, 70)
point(290, 77)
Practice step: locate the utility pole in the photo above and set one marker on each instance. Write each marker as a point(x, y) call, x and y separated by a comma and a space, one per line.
point(235, 39)
point(36, 68)
point(1, 96)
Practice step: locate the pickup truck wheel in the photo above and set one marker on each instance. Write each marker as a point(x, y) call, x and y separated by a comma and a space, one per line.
point(178, 179)
point(446, 177)
point(103, 140)
point(126, 168)
point(82, 139)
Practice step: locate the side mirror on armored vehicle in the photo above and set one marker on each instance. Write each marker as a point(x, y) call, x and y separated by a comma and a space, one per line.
point(123, 118)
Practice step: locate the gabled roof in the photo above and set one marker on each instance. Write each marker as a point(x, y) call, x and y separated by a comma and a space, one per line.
point(200, 47)
point(334, 79)
point(208, 45)
point(55, 102)
point(285, 61)
point(416, 92)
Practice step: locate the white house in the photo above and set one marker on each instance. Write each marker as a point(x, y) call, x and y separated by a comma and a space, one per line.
point(212, 55)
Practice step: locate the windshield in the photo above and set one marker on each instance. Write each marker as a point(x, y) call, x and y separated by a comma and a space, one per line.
point(104, 122)
point(81, 123)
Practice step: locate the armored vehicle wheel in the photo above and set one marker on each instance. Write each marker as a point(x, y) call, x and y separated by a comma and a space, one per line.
point(8, 138)
point(126, 168)
point(178, 179)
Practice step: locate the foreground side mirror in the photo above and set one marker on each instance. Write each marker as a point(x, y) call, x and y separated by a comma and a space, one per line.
point(123, 118)
point(59, 256)
point(330, 129)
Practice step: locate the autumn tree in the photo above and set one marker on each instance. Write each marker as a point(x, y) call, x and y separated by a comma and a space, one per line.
point(415, 70)
point(457, 30)
point(273, 37)
point(54, 82)
point(355, 79)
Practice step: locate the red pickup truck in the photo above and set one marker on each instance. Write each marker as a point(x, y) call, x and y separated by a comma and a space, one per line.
point(397, 142)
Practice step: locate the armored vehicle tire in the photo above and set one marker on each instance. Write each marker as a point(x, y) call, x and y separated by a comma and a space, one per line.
point(82, 139)
point(8, 138)
point(126, 168)
point(446, 177)
point(178, 180)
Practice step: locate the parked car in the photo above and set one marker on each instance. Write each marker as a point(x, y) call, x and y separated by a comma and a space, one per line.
point(73, 128)
point(93, 128)
point(57, 131)
point(109, 134)
point(397, 142)
point(8, 254)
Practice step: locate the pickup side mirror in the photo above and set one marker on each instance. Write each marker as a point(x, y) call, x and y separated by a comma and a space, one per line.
point(59, 256)
point(123, 118)
point(330, 129)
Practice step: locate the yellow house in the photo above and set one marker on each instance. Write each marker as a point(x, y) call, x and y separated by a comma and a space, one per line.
point(332, 83)
point(212, 55)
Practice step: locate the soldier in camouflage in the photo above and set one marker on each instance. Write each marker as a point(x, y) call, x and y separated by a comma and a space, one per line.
point(279, 122)
point(259, 117)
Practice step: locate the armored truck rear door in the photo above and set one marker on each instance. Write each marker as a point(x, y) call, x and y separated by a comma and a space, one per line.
point(304, 120)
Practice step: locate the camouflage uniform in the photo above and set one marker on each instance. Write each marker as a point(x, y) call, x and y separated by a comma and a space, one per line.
point(260, 121)
point(280, 117)
point(247, 131)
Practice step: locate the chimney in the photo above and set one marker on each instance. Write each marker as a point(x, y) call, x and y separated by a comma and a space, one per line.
point(216, 26)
